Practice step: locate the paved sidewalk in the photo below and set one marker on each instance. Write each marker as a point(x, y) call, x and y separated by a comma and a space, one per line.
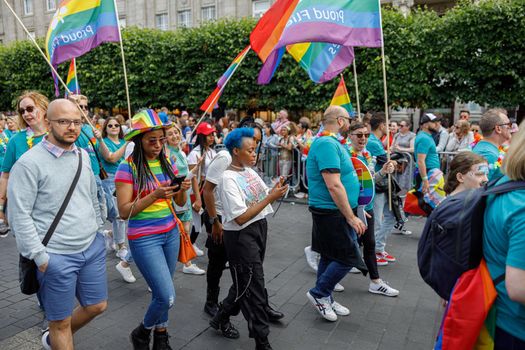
point(409, 321)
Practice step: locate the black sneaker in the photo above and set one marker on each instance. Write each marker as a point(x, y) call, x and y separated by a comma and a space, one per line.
point(4, 229)
point(140, 338)
point(226, 328)
point(161, 341)
point(211, 308)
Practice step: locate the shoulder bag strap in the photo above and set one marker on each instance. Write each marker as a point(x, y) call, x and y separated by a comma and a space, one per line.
point(54, 224)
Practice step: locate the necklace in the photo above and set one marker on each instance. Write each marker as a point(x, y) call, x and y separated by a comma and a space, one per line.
point(339, 138)
point(364, 154)
point(237, 167)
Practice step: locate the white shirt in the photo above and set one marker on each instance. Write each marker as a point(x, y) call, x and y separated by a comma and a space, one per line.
point(239, 190)
point(216, 169)
point(195, 154)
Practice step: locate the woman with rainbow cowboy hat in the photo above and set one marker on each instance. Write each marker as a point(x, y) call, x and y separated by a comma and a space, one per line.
point(145, 195)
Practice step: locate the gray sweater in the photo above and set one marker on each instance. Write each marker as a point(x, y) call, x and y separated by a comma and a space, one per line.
point(38, 183)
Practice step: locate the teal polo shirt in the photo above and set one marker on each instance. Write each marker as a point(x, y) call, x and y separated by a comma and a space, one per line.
point(328, 153)
point(83, 142)
point(424, 144)
point(490, 152)
point(504, 244)
point(16, 147)
point(376, 149)
point(111, 168)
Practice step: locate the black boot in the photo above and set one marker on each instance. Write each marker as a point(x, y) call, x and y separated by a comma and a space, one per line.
point(140, 338)
point(212, 297)
point(160, 341)
point(273, 315)
point(222, 321)
point(262, 344)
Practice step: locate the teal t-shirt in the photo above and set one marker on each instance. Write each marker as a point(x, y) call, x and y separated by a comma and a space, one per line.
point(328, 153)
point(376, 149)
point(504, 244)
point(83, 142)
point(9, 133)
point(111, 168)
point(16, 147)
point(3, 146)
point(490, 152)
point(424, 144)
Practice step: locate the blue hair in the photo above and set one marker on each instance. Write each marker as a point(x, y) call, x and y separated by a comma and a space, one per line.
point(234, 138)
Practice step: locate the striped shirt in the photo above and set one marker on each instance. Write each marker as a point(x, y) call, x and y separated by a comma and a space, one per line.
point(157, 218)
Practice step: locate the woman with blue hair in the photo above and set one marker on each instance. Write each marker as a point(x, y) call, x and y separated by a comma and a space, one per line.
point(246, 201)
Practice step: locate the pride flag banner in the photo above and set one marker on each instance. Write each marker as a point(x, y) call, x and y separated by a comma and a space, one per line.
point(341, 97)
point(79, 26)
point(366, 182)
point(72, 80)
point(211, 101)
point(348, 23)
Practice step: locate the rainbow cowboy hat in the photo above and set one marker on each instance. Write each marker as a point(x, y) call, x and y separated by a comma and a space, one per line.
point(145, 121)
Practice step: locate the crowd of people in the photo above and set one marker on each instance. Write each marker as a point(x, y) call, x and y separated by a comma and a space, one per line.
point(157, 178)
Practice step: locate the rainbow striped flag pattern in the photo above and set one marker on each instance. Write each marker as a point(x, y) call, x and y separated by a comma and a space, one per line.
point(469, 319)
point(79, 26)
point(348, 23)
point(72, 80)
point(341, 97)
point(213, 98)
point(366, 182)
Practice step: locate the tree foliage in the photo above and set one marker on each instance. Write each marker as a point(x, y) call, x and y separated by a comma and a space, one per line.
point(474, 52)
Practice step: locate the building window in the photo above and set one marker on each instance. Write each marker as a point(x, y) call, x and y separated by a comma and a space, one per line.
point(122, 22)
point(208, 13)
point(28, 7)
point(51, 5)
point(162, 21)
point(259, 7)
point(185, 18)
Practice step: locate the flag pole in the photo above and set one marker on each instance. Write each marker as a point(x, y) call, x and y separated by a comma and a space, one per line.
point(386, 105)
point(76, 77)
point(356, 91)
point(123, 60)
point(84, 115)
point(214, 101)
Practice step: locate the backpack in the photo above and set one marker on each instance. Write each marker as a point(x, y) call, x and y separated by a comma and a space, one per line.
point(452, 239)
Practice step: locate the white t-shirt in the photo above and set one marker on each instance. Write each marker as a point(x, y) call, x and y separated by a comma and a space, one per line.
point(195, 154)
point(217, 167)
point(240, 190)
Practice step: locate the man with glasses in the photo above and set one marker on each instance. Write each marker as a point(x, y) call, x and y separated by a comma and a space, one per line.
point(495, 127)
point(73, 264)
point(464, 115)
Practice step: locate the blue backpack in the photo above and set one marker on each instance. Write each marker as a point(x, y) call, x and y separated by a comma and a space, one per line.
point(452, 240)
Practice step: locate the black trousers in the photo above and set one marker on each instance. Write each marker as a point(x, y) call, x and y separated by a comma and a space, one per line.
point(245, 250)
point(216, 262)
point(506, 341)
point(369, 247)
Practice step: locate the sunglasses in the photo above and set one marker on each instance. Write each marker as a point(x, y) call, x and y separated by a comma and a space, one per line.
point(361, 135)
point(153, 142)
point(29, 109)
point(508, 125)
point(84, 107)
point(113, 126)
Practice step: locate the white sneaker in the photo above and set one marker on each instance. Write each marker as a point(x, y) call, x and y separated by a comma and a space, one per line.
point(122, 253)
point(323, 306)
point(193, 270)
point(126, 273)
point(339, 288)
point(46, 343)
point(354, 270)
point(400, 229)
point(312, 258)
point(149, 289)
point(383, 288)
point(198, 250)
point(339, 309)
point(299, 195)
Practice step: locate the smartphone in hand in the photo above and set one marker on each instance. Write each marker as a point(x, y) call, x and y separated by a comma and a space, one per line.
point(177, 181)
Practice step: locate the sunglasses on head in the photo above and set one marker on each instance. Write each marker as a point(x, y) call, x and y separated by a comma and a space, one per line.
point(153, 142)
point(360, 135)
point(28, 109)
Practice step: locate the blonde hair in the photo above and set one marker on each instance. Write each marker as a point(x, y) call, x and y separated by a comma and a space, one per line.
point(77, 98)
point(40, 101)
point(463, 126)
point(514, 161)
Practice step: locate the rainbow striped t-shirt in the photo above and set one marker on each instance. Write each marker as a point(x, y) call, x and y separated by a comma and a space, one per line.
point(157, 218)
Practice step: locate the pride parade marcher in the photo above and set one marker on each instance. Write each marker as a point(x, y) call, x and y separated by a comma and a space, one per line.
point(11, 124)
point(504, 247)
point(359, 134)
point(145, 196)
point(495, 127)
point(334, 190)
point(73, 264)
point(467, 171)
point(32, 108)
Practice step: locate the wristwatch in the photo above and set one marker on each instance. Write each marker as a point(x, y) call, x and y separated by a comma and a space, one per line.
point(213, 220)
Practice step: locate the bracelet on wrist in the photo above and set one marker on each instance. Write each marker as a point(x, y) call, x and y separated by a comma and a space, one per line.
point(425, 178)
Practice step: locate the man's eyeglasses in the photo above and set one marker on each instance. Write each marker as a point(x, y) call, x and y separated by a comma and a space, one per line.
point(67, 122)
point(153, 142)
point(28, 109)
point(508, 125)
point(113, 126)
point(359, 136)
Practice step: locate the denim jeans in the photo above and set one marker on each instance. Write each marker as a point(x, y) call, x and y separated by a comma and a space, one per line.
point(156, 256)
point(329, 273)
point(119, 225)
point(101, 198)
point(384, 220)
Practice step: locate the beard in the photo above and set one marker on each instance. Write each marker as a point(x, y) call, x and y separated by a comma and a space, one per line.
point(62, 140)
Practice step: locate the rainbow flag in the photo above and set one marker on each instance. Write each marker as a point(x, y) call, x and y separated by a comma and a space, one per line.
point(213, 98)
point(366, 182)
point(322, 61)
point(348, 23)
point(72, 81)
point(341, 97)
point(79, 26)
